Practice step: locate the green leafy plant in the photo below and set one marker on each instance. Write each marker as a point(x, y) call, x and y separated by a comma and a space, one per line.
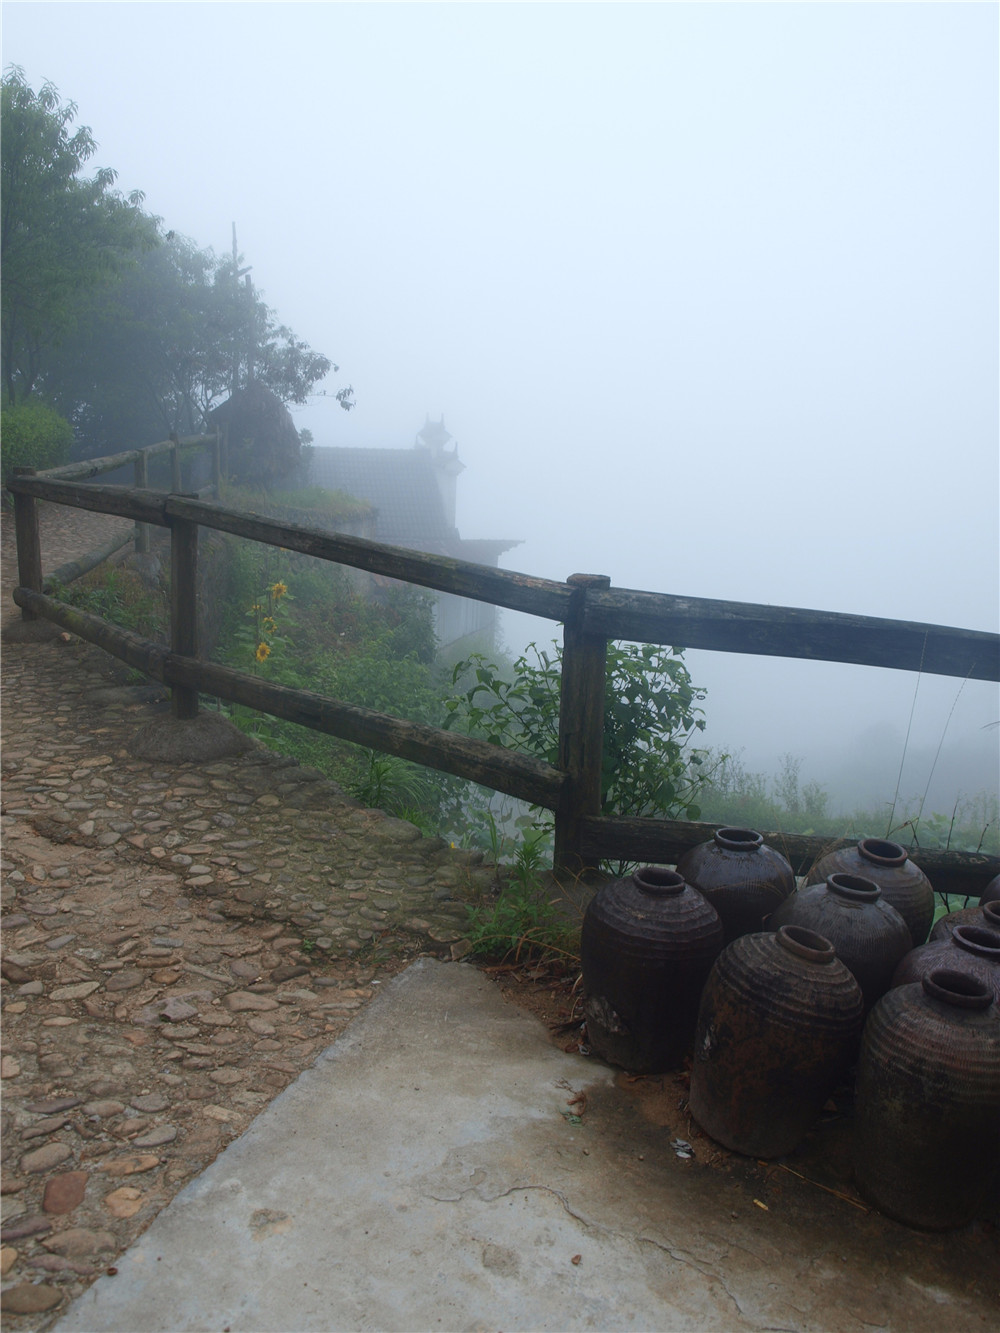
point(33, 435)
point(650, 718)
point(521, 922)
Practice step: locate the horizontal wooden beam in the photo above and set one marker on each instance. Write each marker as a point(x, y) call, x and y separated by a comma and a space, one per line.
point(94, 467)
point(783, 631)
point(74, 569)
point(501, 587)
point(464, 756)
point(664, 842)
point(126, 501)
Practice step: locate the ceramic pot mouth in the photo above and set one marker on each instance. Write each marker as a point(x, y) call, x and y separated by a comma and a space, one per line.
point(657, 880)
point(960, 989)
point(881, 852)
point(978, 940)
point(807, 944)
point(991, 911)
point(853, 888)
point(739, 839)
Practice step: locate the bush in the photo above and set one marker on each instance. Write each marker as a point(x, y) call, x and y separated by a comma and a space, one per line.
point(33, 435)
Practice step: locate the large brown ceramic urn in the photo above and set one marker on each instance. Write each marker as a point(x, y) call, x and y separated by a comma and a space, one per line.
point(927, 1101)
point(903, 884)
point(743, 878)
point(779, 1025)
point(647, 944)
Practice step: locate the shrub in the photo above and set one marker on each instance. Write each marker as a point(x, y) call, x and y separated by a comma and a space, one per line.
point(33, 435)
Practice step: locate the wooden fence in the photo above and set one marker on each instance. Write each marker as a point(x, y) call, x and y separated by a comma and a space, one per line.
point(591, 611)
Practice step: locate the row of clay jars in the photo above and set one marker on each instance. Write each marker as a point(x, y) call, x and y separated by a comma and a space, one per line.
point(649, 940)
point(778, 1029)
point(647, 944)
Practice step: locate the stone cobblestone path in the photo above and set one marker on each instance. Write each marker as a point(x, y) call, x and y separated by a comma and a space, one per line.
point(179, 943)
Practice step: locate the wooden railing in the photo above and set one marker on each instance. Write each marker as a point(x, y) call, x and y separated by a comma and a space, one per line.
point(591, 611)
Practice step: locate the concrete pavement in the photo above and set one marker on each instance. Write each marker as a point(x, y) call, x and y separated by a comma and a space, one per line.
point(428, 1173)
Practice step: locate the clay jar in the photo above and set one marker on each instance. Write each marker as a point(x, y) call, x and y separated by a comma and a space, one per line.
point(991, 894)
point(778, 1027)
point(986, 916)
point(904, 885)
point(927, 1101)
point(970, 949)
point(743, 878)
point(870, 937)
point(647, 944)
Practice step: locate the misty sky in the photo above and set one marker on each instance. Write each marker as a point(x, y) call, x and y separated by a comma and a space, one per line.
point(708, 294)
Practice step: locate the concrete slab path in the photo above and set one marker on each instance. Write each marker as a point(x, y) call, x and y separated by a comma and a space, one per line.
point(429, 1173)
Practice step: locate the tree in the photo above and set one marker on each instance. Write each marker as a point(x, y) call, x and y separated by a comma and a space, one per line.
point(61, 235)
point(162, 348)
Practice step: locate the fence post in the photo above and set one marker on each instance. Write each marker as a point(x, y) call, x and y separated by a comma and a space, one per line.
point(217, 465)
point(141, 481)
point(184, 607)
point(581, 726)
point(29, 542)
point(175, 464)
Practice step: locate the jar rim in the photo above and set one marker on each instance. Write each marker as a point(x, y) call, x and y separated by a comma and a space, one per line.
point(739, 839)
point(658, 880)
point(979, 940)
point(882, 852)
point(853, 888)
point(806, 943)
point(960, 989)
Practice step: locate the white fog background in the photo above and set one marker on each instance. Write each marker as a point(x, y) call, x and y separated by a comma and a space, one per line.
point(707, 294)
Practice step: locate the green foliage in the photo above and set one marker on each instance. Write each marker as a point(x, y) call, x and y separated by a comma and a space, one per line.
point(651, 716)
point(522, 922)
point(387, 783)
point(62, 236)
point(167, 343)
point(131, 331)
point(119, 595)
point(33, 435)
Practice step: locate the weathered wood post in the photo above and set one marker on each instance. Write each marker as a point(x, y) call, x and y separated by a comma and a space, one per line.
point(217, 465)
point(175, 464)
point(184, 607)
point(141, 481)
point(29, 542)
point(581, 726)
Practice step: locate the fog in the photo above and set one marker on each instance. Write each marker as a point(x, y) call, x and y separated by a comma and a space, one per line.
point(707, 294)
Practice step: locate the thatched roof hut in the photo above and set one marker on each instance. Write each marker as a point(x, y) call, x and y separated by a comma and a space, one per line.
point(263, 444)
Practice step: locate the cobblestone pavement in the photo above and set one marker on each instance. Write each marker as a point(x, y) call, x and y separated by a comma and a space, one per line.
point(180, 941)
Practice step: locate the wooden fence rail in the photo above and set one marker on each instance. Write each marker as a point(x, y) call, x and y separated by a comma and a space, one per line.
point(591, 611)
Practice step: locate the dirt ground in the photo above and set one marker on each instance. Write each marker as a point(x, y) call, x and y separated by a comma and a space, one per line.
point(821, 1163)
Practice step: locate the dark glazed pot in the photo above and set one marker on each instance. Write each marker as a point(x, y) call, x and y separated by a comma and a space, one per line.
point(904, 885)
point(991, 894)
point(869, 936)
point(970, 949)
point(647, 944)
point(927, 1101)
point(743, 878)
point(986, 916)
point(778, 1027)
